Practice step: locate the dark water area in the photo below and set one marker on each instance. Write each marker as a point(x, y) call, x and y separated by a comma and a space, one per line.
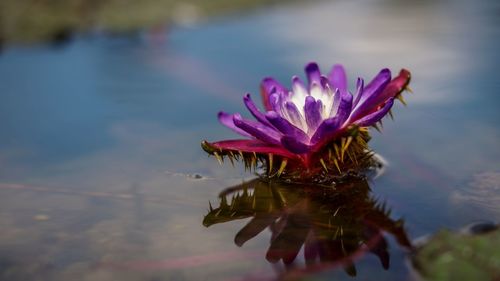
point(101, 172)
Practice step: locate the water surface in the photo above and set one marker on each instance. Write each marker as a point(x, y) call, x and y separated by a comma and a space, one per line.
point(102, 176)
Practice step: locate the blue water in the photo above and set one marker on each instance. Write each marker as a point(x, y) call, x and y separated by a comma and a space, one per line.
point(100, 137)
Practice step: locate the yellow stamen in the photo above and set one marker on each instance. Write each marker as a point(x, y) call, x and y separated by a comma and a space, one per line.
point(401, 99)
point(282, 167)
point(270, 163)
point(323, 164)
point(219, 158)
point(390, 115)
point(337, 165)
point(336, 147)
point(231, 160)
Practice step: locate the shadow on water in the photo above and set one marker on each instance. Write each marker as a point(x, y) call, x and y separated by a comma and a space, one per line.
point(335, 226)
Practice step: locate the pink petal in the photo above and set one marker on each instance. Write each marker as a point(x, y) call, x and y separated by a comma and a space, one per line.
point(248, 146)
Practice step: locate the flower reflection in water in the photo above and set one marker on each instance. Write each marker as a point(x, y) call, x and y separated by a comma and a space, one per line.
point(333, 225)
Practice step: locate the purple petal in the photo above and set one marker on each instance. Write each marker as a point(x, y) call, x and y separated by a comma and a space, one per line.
point(255, 111)
point(298, 86)
point(360, 84)
point(396, 86)
point(370, 94)
point(295, 146)
point(326, 130)
point(336, 103)
point(338, 78)
point(226, 119)
point(297, 83)
point(313, 73)
point(312, 112)
point(374, 117)
point(382, 78)
point(267, 87)
point(286, 127)
point(325, 82)
point(269, 83)
point(376, 85)
point(275, 102)
point(293, 113)
point(257, 130)
point(341, 101)
point(345, 106)
point(329, 127)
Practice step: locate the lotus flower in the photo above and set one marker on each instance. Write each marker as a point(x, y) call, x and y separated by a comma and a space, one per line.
point(312, 126)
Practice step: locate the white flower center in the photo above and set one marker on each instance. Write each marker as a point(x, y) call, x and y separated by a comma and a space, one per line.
point(298, 97)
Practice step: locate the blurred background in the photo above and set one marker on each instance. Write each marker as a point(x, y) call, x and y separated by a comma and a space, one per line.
point(103, 105)
point(53, 20)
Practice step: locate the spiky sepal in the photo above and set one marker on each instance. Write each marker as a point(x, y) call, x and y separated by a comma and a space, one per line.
point(348, 154)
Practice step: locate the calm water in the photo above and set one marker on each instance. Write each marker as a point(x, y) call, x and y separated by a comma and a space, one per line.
point(100, 162)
